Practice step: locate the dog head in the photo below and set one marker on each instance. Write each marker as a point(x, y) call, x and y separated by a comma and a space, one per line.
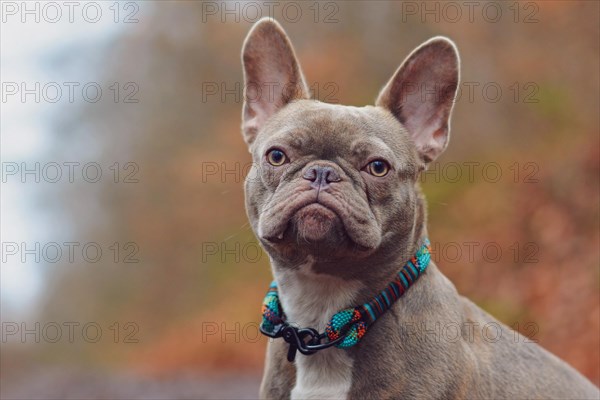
point(337, 182)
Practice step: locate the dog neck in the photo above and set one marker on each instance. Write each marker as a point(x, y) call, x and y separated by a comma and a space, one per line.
point(310, 297)
point(309, 300)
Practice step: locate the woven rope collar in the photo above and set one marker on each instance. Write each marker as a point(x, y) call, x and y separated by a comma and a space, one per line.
point(347, 327)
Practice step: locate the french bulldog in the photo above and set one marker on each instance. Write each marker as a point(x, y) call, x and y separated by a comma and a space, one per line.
point(333, 197)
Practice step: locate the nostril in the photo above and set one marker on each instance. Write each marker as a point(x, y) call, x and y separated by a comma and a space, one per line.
point(330, 175)
point(321, 175)
point(310, 174)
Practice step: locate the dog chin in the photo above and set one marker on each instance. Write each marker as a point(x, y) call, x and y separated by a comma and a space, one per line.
point(316, 223)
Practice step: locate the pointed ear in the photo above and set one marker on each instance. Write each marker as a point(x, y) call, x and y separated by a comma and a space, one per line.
point(421, 95)
point(272, 76)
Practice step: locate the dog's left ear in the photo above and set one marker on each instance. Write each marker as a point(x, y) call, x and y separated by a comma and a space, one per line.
point(421, 95)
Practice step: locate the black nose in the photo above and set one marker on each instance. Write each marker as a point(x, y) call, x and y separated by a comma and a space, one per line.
point(320, 175)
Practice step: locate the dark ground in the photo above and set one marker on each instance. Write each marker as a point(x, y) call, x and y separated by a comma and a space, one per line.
point(62, 384)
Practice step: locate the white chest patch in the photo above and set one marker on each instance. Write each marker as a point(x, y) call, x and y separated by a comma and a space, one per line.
point(310, 300)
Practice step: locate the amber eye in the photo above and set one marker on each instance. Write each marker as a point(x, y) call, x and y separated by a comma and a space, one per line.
point(378, 168)
point(276, 157)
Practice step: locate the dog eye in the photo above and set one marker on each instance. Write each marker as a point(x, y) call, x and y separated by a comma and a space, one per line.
point(378, 168)
point(276, 157)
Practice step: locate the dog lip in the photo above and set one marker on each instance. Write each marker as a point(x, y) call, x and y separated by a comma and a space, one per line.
point(331, 206)
point(316, 203)
point(279, 236)
point(274, 233)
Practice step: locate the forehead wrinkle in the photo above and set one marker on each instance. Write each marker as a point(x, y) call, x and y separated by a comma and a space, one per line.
point(362, 148)
point(294, 138)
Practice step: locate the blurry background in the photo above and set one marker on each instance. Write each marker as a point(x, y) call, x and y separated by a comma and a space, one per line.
point(147, 281)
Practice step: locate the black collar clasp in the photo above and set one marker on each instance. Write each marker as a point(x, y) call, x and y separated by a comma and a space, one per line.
point(306, 340)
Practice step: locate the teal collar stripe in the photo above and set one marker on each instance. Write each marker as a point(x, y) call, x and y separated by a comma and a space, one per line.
point(348, 326)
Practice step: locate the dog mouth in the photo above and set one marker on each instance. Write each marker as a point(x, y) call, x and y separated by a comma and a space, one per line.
point(315, 222)
point(324, 221)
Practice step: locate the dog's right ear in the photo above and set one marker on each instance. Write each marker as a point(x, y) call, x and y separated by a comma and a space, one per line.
point(272, 76)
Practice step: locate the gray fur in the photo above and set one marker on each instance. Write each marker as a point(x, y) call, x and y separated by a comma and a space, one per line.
point(362, 229)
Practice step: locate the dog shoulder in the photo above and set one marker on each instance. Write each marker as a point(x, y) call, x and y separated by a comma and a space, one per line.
point(511, 365)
